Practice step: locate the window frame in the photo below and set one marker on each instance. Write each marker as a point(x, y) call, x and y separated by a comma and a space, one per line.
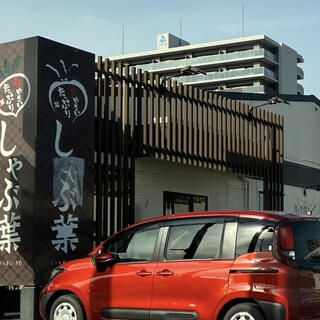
point(193, 221)
point(168, 196)
point(271, 223)
point(140, 228)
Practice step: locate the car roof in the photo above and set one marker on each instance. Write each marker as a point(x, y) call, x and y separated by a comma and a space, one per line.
point(261, 215)
point(276, 216)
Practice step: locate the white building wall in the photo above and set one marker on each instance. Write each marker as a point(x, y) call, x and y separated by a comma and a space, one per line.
point(301, 131)
point(301, 136)
point(224, 190)
point(301, 201)
point(287, 70)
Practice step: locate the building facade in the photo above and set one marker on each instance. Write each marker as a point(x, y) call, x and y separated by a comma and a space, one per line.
point(164, 148)
point(87, 154)
point(255, 64)
point(301, 166)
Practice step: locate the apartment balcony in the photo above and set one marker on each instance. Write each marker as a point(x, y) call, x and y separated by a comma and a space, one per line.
point(300, 89)
point(299, 58)
point(300, 73)
point(246, 89)
point(212, 60)
point(230, 75)
point(254, 89)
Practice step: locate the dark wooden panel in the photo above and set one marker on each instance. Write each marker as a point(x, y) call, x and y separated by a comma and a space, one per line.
point(145, 112)
point(180, 123)
point(102, 220)
point(185, 116)
point(98, 148)
point(228, 127)
point(168, 124)
point(197, 126)
point(180, 126)
point(190, 125)
point(205, 130)
point(152, 115)
point(162, 122)
point(157, 116)
point(175, 121)
point(126, 145)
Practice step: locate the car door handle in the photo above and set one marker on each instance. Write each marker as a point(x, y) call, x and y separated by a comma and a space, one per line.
point(143, 273)
point(164, 273)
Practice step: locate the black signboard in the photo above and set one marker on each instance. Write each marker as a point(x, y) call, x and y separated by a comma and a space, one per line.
point(46, 158)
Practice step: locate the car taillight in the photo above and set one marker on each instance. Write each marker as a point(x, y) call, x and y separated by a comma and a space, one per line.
point(287, 242)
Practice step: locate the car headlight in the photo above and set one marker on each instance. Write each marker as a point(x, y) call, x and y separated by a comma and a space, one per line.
point(55, 272)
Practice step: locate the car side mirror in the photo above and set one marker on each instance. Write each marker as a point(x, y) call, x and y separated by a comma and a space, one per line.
point(104, 260)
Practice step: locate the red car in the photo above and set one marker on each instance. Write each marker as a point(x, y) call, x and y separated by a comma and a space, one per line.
point(206, 266)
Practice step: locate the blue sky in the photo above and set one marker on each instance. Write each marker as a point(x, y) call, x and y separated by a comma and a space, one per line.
point(96, 26)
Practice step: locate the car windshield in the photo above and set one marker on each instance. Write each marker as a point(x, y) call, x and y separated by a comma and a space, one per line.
point(307, 242)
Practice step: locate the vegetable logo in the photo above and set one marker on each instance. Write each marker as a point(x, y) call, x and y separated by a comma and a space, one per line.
point(14, 89)
point(67, 97)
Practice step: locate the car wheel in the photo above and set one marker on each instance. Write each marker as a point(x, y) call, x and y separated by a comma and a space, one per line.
point(66, 307)
point(244, 311)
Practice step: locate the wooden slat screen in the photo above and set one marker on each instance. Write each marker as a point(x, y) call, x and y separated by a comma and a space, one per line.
point(139, 114)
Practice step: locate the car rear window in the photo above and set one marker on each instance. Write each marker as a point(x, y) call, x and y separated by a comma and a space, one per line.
point(254, 236)
point(306, 242)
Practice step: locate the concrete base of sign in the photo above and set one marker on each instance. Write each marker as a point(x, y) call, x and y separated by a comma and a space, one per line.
point(29, 303)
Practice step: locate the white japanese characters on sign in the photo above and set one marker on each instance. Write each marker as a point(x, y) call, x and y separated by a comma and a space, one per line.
point(68, 99)
point(14, 95)
point(12, 99)
point(65, 233)
point(8, 230)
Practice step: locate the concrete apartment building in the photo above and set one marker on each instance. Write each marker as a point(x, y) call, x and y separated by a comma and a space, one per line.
point(254, 64)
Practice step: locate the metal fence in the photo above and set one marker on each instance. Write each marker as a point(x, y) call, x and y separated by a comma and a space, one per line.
point(139, 114)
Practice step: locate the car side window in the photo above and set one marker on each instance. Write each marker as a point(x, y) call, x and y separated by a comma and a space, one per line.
point(254, 236)
point(199, 241)
point(133, 245)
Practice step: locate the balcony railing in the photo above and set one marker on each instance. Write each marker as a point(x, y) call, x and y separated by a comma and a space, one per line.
point(300, 73)
point(248, 89)
point(229, 75)
point(209, 60)
point(300, 89)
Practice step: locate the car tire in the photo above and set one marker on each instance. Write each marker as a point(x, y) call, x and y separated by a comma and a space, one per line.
point(244, 311)
point(66, 307)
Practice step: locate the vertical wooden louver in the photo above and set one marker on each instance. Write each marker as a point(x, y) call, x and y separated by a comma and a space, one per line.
point(138, 114)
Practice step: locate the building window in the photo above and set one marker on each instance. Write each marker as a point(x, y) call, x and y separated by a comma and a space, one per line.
point(174, 202)
point(261, 200)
